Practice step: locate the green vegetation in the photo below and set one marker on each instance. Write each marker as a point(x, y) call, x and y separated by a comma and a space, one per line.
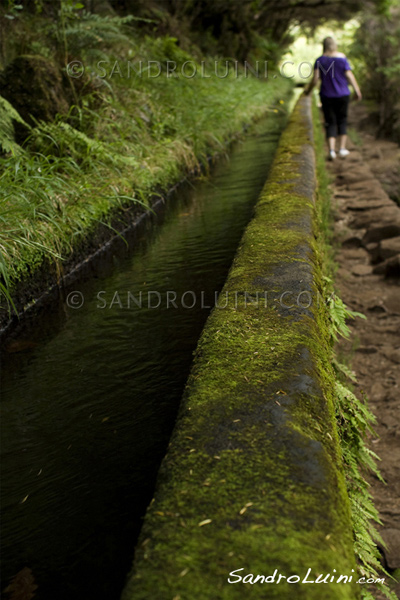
point(127, 139)
point(376, 54)
point(246, 29)
point(354, 419)
point(85, 135)
point(81, 143)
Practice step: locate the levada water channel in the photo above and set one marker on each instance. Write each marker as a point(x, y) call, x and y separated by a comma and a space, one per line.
point(89, 404)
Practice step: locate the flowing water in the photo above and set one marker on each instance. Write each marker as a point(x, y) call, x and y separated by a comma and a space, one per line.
point(89, 403)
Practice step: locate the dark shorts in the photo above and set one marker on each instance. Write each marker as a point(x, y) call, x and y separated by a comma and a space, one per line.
point(335, 113)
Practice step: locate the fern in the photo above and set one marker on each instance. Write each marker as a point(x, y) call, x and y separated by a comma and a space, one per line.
point(60, 138)
point(355, 421)
point(89, 35)
point(8, 115)
point(339, 313)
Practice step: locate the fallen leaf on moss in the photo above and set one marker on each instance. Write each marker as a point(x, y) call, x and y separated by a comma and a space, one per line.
point(205, 522)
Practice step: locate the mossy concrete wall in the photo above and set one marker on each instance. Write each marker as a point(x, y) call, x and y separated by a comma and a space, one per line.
point(253, 478)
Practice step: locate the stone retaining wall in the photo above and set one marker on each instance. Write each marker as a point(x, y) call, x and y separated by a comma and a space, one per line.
point(252, 481)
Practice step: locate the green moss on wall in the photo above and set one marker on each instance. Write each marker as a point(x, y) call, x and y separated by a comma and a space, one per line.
point(252, 479)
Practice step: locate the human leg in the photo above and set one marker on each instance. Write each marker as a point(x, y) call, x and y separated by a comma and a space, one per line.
point(330, 121)
point(341, 110)
point(331, 143)
point(342, 141)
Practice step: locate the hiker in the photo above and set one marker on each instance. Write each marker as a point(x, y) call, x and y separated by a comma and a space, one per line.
point(335, 73)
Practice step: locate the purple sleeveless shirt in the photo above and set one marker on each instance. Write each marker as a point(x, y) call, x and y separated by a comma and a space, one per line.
point(332, 74)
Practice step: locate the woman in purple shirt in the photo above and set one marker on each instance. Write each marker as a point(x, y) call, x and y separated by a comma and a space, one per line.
point(334, 72)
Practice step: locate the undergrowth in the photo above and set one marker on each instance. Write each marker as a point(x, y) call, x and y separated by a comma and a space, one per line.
point(127, 137)
point(354, 418)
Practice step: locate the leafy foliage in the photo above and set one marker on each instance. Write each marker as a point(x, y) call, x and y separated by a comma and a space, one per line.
point(339, 313)
point(88, 35)
point(127, 138)
point(376, 51)
point(9, 116)
point(237, 29)
point(355, 421)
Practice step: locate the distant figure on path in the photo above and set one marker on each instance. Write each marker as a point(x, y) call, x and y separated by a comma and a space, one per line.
point(335, 73)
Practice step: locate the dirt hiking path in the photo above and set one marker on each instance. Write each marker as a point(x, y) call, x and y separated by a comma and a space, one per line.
point(367, 230)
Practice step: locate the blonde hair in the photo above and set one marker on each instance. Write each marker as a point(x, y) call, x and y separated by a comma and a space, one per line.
point(328, 44)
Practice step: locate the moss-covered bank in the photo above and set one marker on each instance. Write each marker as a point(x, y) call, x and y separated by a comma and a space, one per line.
point(252, 479)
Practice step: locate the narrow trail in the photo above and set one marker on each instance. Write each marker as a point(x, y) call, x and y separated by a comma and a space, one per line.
point(367, 231)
